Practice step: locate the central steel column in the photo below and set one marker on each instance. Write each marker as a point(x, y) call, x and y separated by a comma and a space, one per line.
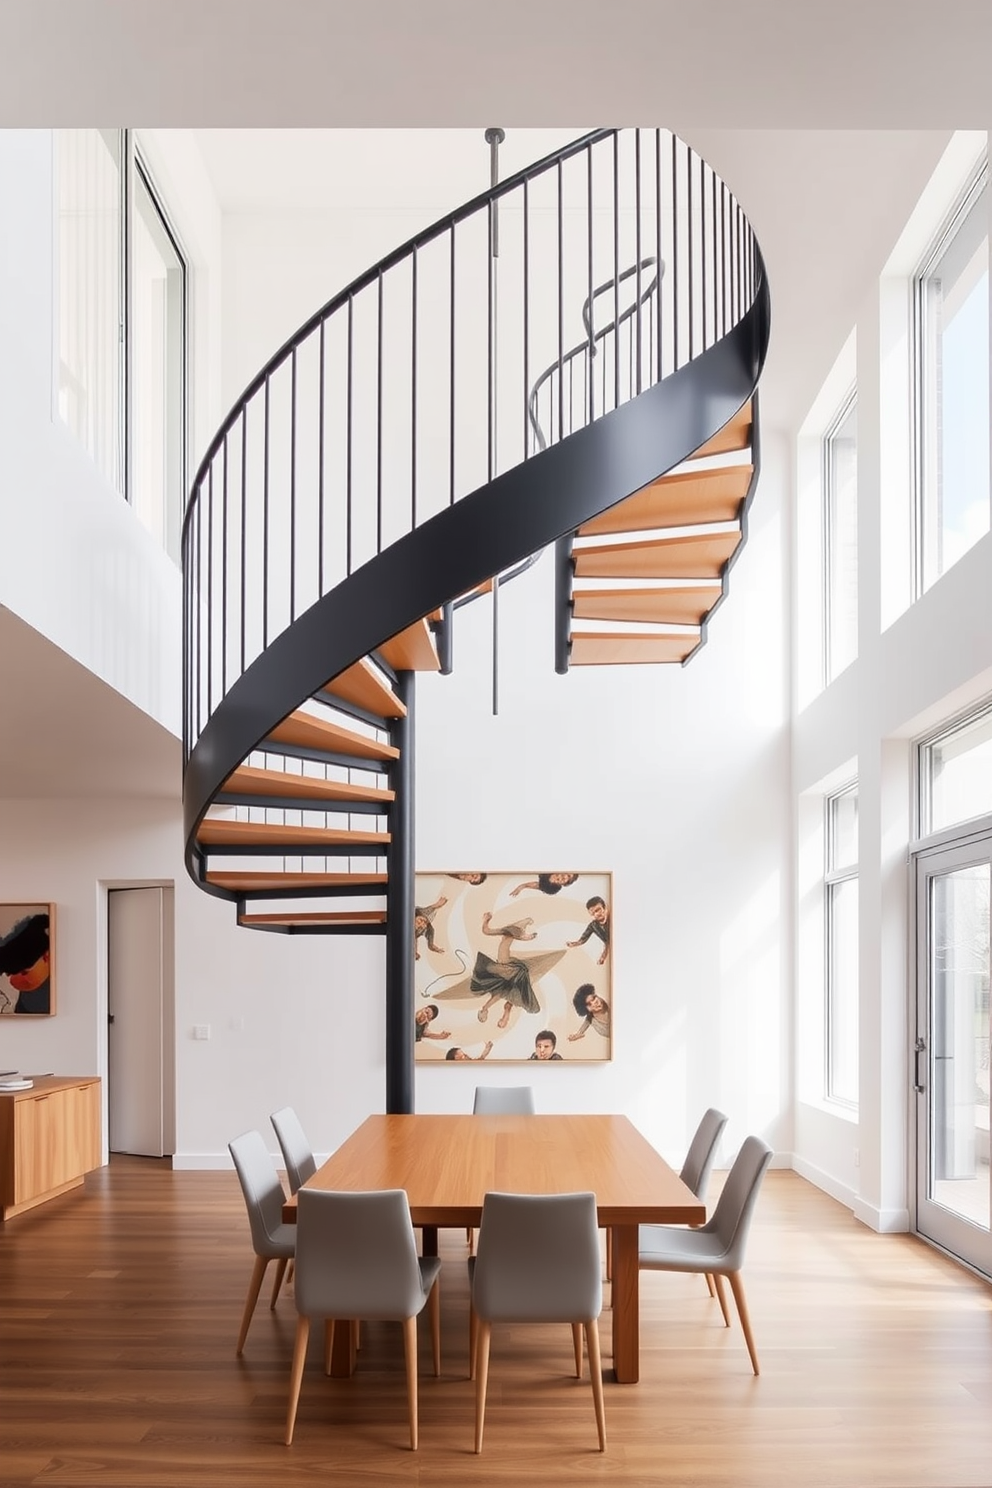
point(399, 912)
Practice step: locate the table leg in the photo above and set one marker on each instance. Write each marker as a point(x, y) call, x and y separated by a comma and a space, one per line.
point(429, 1242)
point(344, 1354)
point(626, 1305)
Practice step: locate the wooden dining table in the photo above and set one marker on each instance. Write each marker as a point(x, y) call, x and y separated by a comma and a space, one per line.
point(447, 1164)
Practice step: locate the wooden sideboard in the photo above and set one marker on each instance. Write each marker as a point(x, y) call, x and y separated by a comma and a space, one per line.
point(49, 1139)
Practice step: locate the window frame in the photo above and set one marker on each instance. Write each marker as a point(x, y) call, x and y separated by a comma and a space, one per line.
point(834, 876)
point(926, 832)
point(847, 406)
point(920, 403)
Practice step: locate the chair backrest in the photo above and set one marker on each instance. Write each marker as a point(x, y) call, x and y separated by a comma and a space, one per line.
point(735, 1206)
point(538, 1259)
point(356, 1255)
point(503, 1100)
point(698, 1163)
point(296, 1151)
point(261, 1186)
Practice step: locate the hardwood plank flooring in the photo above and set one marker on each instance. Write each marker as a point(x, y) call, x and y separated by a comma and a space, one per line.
point(119, 1310)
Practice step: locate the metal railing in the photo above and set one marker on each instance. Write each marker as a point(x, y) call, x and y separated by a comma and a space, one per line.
point(414, 386)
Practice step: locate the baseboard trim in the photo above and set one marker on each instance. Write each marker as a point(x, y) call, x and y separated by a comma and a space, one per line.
point(885, 1221)
point(825, 1181)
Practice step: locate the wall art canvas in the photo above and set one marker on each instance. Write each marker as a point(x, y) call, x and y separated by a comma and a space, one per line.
point(513, 967)
point(27, 969)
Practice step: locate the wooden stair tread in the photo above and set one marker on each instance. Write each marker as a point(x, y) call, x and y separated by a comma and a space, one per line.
point(247, 780)
point(412, 650)
point(318, 917)
point(735, 435)
point(612, 650)
point(700, 556)
point(686, 605)
point(364, 686)
point(304, 731)
point(215, 833)
point(681, 500)
point(262, 883)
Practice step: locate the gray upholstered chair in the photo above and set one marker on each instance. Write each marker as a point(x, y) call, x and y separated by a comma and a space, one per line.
point(296, 1152)
point(717, 1247)
point(698, 1163)
point(501, 1100)
point(264, 1197)
point(356, 1257)
point(538, 1262)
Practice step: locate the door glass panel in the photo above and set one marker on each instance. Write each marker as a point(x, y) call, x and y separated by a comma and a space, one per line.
point(959, 1106)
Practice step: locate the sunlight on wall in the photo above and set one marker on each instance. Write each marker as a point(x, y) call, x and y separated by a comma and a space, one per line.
point(754, 1015)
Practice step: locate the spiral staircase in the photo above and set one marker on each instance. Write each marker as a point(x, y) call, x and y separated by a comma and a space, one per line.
point(568, 361)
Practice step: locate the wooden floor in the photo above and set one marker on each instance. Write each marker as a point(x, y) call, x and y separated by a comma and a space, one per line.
point(119, 1308)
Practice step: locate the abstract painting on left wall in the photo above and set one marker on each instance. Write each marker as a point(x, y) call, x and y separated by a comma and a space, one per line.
point(27, 959)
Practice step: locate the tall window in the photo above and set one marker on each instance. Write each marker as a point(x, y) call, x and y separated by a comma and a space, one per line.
point(952, 316)
point(90, 287)
point(840, 539)
point(841, 922)
point(122, 324)
point(955, 772)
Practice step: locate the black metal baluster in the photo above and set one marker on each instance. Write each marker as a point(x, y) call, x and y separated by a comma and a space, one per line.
point(378, 422)
point(350, 436)
point(691, 277)
point(702, 251)
point(659, 263)
point(637, 249)
point(490, 348)
point(561, 308)
point(224, 568)
point(723, 257)
point(320, 463)
point(198, 610)
point(616, 270)
point(413, 392)
point(292, 488)
point(675, 254)
point(265, 526)
point(244, 529)
point(210, 592)
point(451, 371)
point(590, 350)
point(526, 321)
point(716, 280)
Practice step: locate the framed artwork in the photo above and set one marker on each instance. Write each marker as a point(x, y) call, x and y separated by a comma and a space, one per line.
point(27, 963)
point(513, 967)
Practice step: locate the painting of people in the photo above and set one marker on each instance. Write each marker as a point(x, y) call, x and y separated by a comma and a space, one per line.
point(27, 959)
point(513, 967)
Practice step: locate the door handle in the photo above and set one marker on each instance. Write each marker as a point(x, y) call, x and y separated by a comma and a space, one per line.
point(918, 1050)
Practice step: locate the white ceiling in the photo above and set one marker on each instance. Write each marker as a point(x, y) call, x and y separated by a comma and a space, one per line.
point(766, 64)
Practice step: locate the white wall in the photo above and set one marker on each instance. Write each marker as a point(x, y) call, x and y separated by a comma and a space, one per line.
point(928, 662)
point(75, 562)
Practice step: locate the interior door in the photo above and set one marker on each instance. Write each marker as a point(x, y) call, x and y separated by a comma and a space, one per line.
point(136, 978)
point(951, 1056)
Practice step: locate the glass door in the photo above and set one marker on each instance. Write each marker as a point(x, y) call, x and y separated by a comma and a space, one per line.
point(951, 1073)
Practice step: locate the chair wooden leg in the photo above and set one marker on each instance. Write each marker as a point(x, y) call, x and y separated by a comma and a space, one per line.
point(473, 1339)
point(577, 1346)
point(470, 1237)
point(280, 1274)
point(410, 1349)
point(434, 1313)
point(296, 1374)
point(596, 1370)
point(609, 1253)
point(356, 1334)
point(328, 1343)
point(737, 1287)
point(483, 1336)
point(254, 1287)
point(709, 1285)
point(291, 1272)
point(721, 1297)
